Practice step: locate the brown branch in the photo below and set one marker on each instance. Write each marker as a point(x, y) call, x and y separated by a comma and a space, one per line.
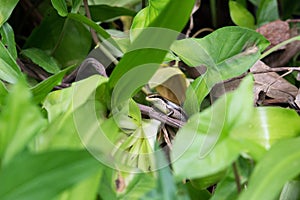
point(146, 110)
point(88, 14)
point(277, 69)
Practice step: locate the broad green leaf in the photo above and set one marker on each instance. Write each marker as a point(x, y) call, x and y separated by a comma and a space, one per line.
point(86, 189)
point(7, 73)
point(167, 28)
point(69, 99)
point(60, 6)
point(45, 175)
point(41, 90)
point(240, 15)
point(7, 6)
point(267, 12)
point(279, 165)
point(20, 120)
point(105, 12)
point(269, 125)
point(146, 16)
point(42, 59)
point(66, 40)
point(8, 38)
point(8, 58)
point(226, 53)
point(203, 144)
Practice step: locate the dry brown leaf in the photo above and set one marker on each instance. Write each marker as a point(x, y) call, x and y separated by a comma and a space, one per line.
point(272, 84)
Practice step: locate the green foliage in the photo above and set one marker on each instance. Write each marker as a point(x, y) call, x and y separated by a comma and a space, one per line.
point(7, 6)
point(240, 15)
point(67, 137)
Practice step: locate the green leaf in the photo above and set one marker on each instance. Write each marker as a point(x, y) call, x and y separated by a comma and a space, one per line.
point(141, 184)
point(41, 90)
point(45, 175)
point(203, 144)
point(86, 189)
point(66, 40)
point(147, 42)
point(90, 23)
point(279, 165)
point(7, 58)
point(240, 15)
point(196, 93)
point(8, 38)
point(226, 53)
point(76, 5)
point(42, 59)
point(269, 125)
point(105, 12)
point(146, 16)
point(7, 6)
point(267, 12)
point(3, 93)
point(7, 73)
point(20, 120)
point(60, 6)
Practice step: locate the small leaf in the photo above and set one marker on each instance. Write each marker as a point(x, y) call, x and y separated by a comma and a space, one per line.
point(7, 58)
point(41, 90)
point(279, 165)
point(7, 73)
point(42, 59)
point(34, 180)
point(240, 15)
point(8, 38)
point(76, 5)
point(60, 6)
point(267, 12)
point(7, 6)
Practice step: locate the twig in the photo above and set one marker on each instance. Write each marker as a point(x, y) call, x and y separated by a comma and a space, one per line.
point(201, 31)
point(88, 14)
point(236, 177)
point(146, 110)
point(277, 69)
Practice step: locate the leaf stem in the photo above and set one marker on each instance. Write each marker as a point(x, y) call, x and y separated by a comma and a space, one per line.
point(88, 14)
point(236, 177)
point(279, 46)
